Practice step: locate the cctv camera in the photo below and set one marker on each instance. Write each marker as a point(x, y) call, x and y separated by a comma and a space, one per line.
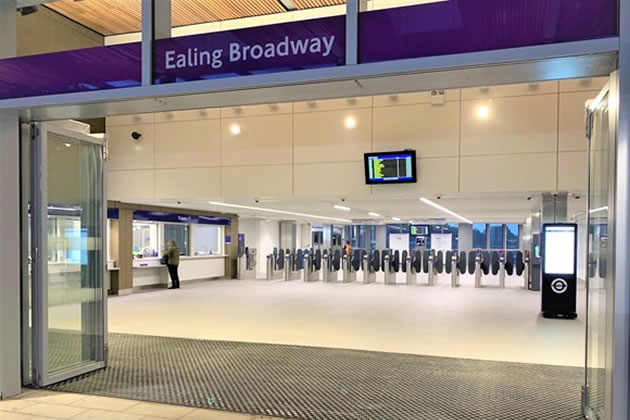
point(439, 197)
point(179, 202)
point(343, 200)
point(136, 136)
point(257, 200)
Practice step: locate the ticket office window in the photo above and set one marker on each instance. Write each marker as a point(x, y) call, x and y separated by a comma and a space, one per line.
point(146, 239)
point(207, 240)
point(178, 233)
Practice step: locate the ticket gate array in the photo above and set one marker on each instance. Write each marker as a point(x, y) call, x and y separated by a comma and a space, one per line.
point(499, 263)
point(246, 267)
point(329, 265)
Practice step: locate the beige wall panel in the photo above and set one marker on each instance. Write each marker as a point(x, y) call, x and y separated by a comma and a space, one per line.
point(434, 176)
point(47, 31)
point(572, 120)
point(191, 115)
point(188, 144)
point(131, 119)
point(527, 172)
point(192, 183)
point(131, 185)
point(330, 179)
point(333, 104)
point(413, 98)
point(573, 171)
point(431, 130)
point(573, 85)
point(500, 91)
point(323, 136)
point(256, 110)
point(265, 140)
point(514, 125)
point(126, 153)
point(256, 181)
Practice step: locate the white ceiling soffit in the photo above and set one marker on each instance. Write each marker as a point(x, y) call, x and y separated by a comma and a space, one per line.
point(337, 82)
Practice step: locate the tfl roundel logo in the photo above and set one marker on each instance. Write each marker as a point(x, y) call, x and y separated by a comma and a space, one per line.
point(559, 286)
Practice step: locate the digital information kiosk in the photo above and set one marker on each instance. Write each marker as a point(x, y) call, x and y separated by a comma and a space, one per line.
point(559, 277)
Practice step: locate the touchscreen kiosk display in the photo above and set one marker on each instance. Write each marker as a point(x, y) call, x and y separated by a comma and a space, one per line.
point(559, 250)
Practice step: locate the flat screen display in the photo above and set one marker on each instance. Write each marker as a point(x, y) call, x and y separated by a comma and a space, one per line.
point(390, 167)
point(559, 250)
point(419, 230)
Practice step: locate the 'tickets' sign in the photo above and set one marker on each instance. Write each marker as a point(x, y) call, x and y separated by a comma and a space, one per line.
point(266, 49)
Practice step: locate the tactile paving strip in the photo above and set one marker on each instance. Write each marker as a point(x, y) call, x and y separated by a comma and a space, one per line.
point(312, 383)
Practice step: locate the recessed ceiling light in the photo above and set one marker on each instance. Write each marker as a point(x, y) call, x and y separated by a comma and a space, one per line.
point(344, 208)
point(483, 111)
point(396, 219)
point(374, 214)
point(445, 210)
point(350, 123)
point(267, 210)
point(235, 129)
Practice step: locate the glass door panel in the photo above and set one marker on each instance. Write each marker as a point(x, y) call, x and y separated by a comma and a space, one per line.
point(69, 244)
point(599, 274)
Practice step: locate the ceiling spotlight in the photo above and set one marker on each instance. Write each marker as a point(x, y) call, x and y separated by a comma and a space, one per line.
point(235, 129)
point(374, 214)
point(350, 123)
point(343, 208)
point(483, 111)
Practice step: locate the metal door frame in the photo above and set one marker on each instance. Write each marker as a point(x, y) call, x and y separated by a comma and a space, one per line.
point(39, 251)
point(609, 92)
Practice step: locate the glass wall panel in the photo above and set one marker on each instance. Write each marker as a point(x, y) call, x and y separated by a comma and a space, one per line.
point(480, 239)
point(512, 236)
point(495, 236)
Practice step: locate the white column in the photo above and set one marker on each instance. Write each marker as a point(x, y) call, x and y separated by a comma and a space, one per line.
point(10, 357)
point(156, 24)
point(353, 8)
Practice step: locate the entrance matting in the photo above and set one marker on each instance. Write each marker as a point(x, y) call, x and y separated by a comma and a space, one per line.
point(298, 382)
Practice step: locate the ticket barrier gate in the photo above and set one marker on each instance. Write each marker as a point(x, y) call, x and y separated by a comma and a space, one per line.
point(370, 265)
point(391, 265)
point(294, 263)
point(351, 264)
point(478, 265)
point(246, 268)
point(275, 265)
point(526, 270)
point(312, 265)
point(332, 266)
point(411, 264)
point(455, 264)
point(429, 266)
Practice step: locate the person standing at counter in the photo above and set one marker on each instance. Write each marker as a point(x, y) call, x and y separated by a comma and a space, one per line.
point(172, 263)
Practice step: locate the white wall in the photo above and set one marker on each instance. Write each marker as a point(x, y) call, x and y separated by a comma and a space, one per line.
point(264, 235)
point(532, 140)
